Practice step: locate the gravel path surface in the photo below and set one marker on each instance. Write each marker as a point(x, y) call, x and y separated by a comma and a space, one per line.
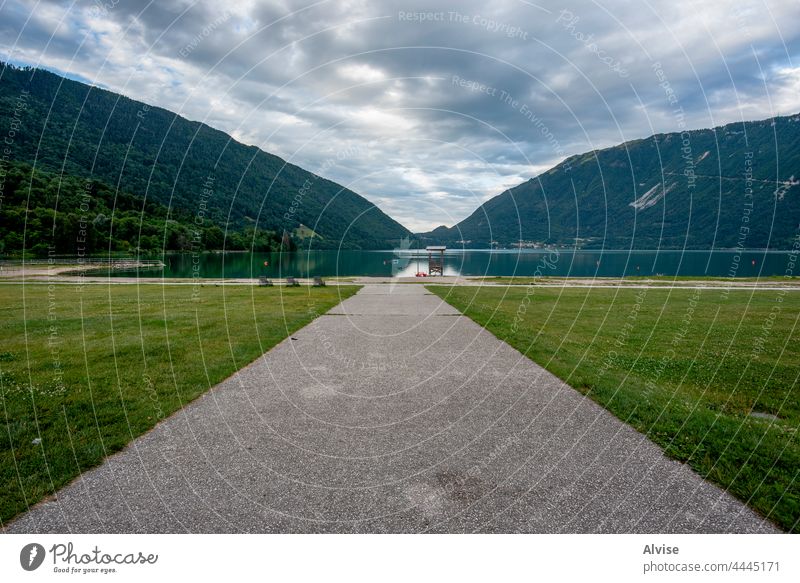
point(392, 413)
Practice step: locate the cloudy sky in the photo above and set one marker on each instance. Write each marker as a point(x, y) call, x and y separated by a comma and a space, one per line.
point(426, 108)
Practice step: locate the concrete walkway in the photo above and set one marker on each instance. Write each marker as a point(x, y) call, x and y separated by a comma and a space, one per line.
point(392, 413)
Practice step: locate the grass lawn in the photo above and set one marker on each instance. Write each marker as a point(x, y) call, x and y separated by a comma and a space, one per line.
point(82, 373)
point(665, 280)
point(685, 367)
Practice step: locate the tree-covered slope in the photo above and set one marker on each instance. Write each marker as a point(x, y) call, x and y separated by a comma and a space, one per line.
point(45, 213)
point(732, 186)
point(87, 132)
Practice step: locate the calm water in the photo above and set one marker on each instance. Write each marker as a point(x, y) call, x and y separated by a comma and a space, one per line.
point(563, 262)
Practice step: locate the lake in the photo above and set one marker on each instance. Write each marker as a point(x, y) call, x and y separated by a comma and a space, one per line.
point(558, 262)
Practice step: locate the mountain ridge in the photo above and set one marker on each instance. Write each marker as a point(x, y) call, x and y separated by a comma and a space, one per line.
point(756, 194)
point(91, 132)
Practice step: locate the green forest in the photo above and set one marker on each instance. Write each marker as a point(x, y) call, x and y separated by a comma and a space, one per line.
point(43, 212)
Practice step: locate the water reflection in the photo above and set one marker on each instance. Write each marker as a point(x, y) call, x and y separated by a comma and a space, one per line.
point(408, 262)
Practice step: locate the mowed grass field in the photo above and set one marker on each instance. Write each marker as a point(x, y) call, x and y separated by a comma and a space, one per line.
point(82, 373)
point(711, 377)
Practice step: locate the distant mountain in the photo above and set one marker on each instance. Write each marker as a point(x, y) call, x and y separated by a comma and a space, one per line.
point(733, 186)
point(85, 132)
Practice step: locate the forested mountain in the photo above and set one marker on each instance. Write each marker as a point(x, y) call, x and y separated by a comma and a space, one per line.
point(83, 132)
point(732, 186)
point(43, 212)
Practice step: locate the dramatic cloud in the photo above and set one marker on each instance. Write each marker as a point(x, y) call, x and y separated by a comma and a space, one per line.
point(426, 108)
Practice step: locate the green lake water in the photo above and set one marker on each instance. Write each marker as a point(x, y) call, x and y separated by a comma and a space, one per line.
point(557, 262)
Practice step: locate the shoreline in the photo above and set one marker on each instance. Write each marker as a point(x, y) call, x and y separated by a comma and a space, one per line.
point(61, 276)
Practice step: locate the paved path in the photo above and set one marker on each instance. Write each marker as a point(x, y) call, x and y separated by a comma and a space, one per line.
point(392, 413)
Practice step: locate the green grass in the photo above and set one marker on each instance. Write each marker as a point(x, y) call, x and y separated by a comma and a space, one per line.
point(687, 367)
point(123, 357)
point(639, 279)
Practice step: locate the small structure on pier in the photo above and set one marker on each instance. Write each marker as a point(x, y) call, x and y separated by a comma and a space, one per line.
point(436, 259)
